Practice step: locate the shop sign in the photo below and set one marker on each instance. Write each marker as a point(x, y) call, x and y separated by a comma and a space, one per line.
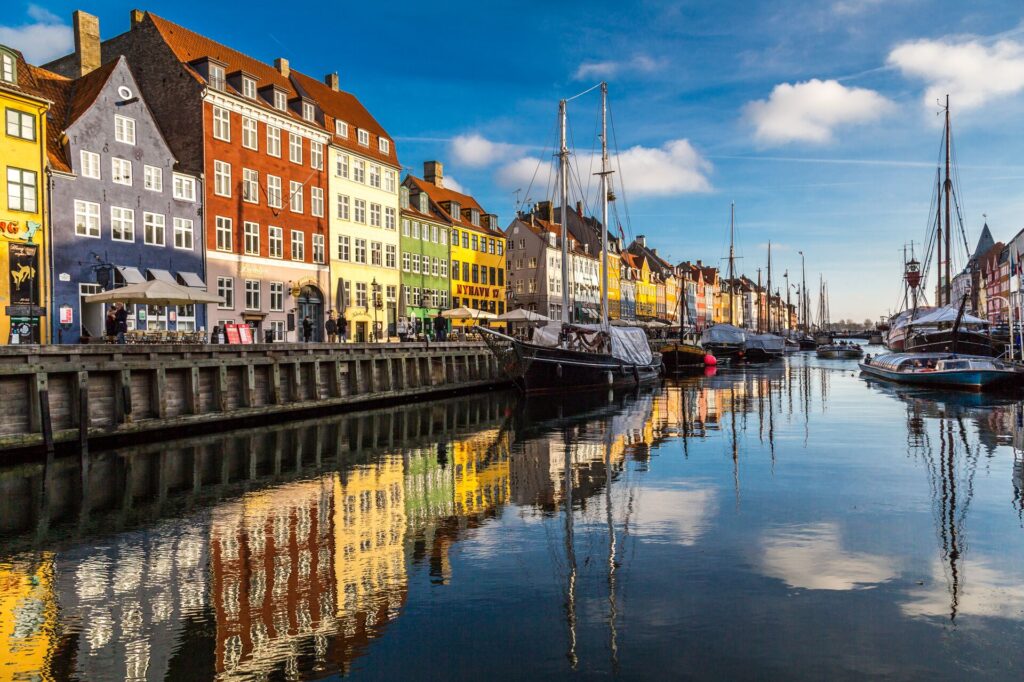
point(24, 270)
point(67, 314)
point(476, 291)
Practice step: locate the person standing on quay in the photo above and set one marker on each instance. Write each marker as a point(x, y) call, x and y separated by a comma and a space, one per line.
point(307, 329)
point(331, 327)
point(342, 328)
point(440, 328)
point(111, 324)
point(122, 322)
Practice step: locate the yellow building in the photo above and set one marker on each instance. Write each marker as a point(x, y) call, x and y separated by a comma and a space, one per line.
point(477, 245)
point(28, 614)
point(362, 202)
point(646, 291)
point(25, 290)
point(614, 264)
point(481, 464)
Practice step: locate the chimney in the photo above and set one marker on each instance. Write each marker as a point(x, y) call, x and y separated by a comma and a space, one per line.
point(136, 17)
point(281, 64)
point(87, 42)
point(654, 251)
point(332, 81)
point(547, 212)
point(641, 240)
point(433, 172)
point(579, 208)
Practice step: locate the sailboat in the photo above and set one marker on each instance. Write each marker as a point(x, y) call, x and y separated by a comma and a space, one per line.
point(568, 356)
point(727, 341)
point(766, 346)
point(948, 329)
point(682, 354)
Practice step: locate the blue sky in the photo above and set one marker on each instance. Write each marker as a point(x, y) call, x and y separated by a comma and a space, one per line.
point(816, 117)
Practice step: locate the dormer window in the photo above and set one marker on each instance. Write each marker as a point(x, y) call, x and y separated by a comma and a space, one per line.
point(455, 210)
point(364, 137)
point(474, 216)
point(280, 100)
point(216, 79)
point(341, 129)
point(384, 146)
point(424, 202)
point(308, 111)
point(403, 197)
point(248, 87)
point(8, 68)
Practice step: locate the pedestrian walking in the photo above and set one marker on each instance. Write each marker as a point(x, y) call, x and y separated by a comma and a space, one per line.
point(331, 327)
point(122, 322)
point(403, 330)
point(343, 329)
point(307, 329)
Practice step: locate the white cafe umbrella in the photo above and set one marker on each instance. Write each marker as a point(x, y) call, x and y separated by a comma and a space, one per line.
point(523, 315)
point(154, 292)
point(464, 313)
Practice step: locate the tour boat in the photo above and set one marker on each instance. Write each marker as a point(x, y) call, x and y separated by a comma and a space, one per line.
point(564, 356)
point(969, 372)
point(840, 351)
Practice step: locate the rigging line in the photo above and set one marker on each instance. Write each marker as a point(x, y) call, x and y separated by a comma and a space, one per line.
point(578, 95)
point(618, 162)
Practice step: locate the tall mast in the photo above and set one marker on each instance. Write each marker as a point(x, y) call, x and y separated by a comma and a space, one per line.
point(604, 204)
point(563, 179)
point(938, 235)
point(732, 228)
point(948, 186)
point(804, 310)
point(786, 276)
point(769, 286)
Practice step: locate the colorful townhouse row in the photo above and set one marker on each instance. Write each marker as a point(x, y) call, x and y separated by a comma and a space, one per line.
point(161, 154)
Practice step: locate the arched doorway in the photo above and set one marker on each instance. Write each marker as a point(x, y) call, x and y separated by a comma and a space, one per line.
point(311, 303)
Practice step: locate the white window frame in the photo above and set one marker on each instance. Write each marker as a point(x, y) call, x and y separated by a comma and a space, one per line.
point(363, 137)
point(250, 186)
point(280, 101)
point(384, 145)
point(276, 297)
point(122, 224)
point(389, 180)
point(226, 290)
point(377, 254)
point(316, 155)
point(87, 219)
point(250, 133)
point(373, 179)
point(375, 215)
point(298, 245)
point(316, 202)
point(295, 148)
point(275, 242)
point(248, 87)
point(341, 129)
point(295, 196)
point(224, 233)
point(308, 111)
point(391, 256)
point(184, 234)
point(22, 190)
point(221, 124)
point(274, 141)
point(89, 163)
point(344, 247)
point(359, 252)
point(359, 171)
point(341, 166)
point(222, 178)
point(359, 211)
point(121, 177)
point(124, 129)
point(252, 294)
point(184, 187)
point(343, 206)
point(251, 237)
point(274, 191)
point(153, 178)
point(318, 248)
point(154, 224)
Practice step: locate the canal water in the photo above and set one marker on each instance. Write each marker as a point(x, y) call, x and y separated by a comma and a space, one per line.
point(784, 522)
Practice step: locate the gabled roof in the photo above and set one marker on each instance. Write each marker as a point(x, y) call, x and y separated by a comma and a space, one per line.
point(26, 85)
point(443, 195)
point(339, 105)
point(57, 89)
point(985, 242)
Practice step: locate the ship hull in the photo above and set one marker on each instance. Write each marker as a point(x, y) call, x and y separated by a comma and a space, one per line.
point(942, 341)
point(970, 380)
point(682, 356)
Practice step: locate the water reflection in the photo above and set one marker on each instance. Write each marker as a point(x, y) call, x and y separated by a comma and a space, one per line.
point(644, 520)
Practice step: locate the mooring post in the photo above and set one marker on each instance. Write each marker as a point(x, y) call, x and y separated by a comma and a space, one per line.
point(44, 413)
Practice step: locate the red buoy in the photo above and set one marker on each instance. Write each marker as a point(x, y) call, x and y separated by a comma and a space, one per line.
point(710, 360)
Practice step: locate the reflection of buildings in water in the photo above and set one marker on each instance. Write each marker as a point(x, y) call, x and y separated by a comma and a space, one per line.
point(132, 596)
point(28, 618)
point(481, 470)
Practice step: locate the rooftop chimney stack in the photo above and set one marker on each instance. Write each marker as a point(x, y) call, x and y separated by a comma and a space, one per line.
point(433, 172)
point(281, 64)
point(87, 42)
point(641, 240)
point(136, 17)
point(332, 81)
point(579, 208)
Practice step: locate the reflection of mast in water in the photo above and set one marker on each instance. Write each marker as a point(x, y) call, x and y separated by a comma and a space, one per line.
point(735, 448)
point(771, 423)
point(1018, 460)
point(570, 551)
point(612, 607)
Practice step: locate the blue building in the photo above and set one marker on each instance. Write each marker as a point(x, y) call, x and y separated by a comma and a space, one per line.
point(119, 212)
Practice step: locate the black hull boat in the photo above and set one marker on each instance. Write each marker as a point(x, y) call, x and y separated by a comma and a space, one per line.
point(962, 341)
point(725, 352)
point(680, 356)
point(546, 369)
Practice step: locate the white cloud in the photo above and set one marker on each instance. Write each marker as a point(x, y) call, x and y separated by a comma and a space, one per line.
point(812, 110)
point(609, 68)
point(474, 150)
point(983, 591)
point(850, 7)
point(678, 516)
point(674, 168)
point(812, 558)
point(45, 39)
point(970, 72)
point(454, 185)
point(520, 173)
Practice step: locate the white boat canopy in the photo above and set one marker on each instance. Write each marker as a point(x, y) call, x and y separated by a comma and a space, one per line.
point(523, 315)
point(946, 314)
point(723, 333)
point(629, 344)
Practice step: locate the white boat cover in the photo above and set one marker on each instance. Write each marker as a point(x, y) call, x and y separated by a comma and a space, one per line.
point(770, 343)
point(629, 344)
point(723, 333)
point(946, 314)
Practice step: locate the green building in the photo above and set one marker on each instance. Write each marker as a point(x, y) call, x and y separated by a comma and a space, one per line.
point(424, 246)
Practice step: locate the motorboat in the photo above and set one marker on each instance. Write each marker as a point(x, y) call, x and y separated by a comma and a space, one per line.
point(950, 370)
point(725, 341)
point(840, 351)
point(763, 347)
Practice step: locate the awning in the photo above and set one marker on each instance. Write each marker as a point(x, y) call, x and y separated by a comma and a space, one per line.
point(162, 275)
point(191, 279)
point(131, 275)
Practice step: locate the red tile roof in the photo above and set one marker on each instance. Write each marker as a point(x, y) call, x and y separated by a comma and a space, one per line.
point(442, 195)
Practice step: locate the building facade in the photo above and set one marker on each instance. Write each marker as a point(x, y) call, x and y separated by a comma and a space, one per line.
point(534, 263)
point(476, 245)
point(119, 212)
point(425, 256)
point(24, 253)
